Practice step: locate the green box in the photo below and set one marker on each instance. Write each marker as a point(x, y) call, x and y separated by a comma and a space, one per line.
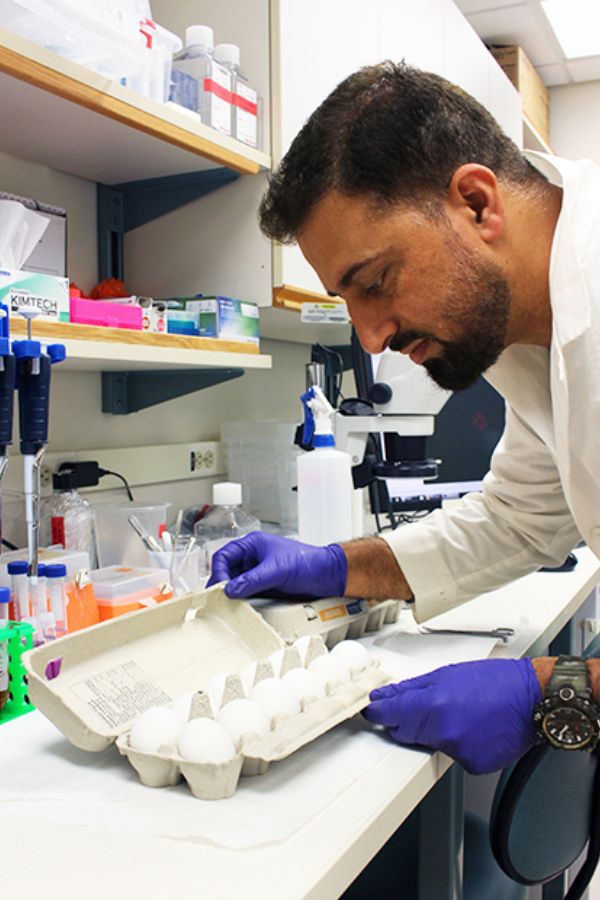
point(20, 639)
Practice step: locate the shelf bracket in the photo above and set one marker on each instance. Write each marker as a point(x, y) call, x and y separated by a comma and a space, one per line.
point(129, 392)
point(122, 207)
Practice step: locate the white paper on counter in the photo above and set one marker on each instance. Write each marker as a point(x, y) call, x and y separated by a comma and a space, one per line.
point(43, 777)
point(20, 231)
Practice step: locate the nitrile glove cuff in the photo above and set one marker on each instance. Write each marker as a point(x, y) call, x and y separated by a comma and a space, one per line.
point(339, 569)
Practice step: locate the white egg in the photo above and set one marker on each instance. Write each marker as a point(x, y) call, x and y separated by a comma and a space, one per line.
point(247, 675)
point(329, 669)
point(242, 717)
point(276, 660)
point(156, 726)
point(352, 654)
point(182, 706)
point(301, 644)
point(205, 741)
point(304, 684)
point(275, 697)
point(215, 688)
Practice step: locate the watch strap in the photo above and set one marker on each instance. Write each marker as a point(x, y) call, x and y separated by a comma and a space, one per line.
point(572, 671)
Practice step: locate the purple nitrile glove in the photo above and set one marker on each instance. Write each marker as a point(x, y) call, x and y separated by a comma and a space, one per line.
point(479, 713)
point(265, 565)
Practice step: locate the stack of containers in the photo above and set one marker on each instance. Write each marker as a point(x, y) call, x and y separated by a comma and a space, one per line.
point(268, 490)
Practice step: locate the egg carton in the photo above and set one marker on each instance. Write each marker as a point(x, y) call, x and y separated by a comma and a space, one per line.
point(334, 618)
point(112, 672)
point(210, 781)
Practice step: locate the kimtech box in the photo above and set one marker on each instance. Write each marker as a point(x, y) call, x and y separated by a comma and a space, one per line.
point(35, 290)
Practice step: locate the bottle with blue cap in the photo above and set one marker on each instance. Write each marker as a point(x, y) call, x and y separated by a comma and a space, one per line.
point(324, 477)
point(4, 677)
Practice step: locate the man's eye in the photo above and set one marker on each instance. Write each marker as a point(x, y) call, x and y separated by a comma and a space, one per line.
point(375, 287)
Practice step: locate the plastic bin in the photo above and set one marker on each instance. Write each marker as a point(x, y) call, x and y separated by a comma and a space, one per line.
point(103, 36)
point(124, 589)
point(154, 77)
point(262, 457)
point(116, 541)
point(103, 313)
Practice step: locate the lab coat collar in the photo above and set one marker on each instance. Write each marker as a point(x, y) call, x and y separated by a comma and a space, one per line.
point(578, 217)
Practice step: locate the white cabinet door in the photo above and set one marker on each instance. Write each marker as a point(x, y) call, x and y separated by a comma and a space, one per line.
point(315, 45)
point(465, 56)
point(413, 32)
point(505, 102)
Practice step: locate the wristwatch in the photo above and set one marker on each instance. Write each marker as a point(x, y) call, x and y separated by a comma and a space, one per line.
point(567, 717)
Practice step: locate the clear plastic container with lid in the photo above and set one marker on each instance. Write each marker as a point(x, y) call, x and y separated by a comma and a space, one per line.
point(225, 522)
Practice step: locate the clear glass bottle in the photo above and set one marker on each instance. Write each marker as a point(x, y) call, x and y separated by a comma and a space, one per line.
point(224, 522)
point(67, 519)
point(245, 105)
point(214, 81)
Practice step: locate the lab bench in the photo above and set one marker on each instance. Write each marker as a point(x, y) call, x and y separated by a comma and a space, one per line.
point(77, 824)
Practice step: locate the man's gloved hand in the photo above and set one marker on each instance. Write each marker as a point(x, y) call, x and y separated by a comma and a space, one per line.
point(479, 713)
point(266, 565)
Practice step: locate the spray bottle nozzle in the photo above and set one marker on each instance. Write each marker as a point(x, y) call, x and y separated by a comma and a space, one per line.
point(317, 417)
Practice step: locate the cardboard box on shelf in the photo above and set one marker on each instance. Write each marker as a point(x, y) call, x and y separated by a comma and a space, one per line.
point(214, 316)
point(533, 91)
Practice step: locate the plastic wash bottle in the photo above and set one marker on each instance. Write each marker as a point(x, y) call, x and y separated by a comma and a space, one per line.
point(324, 477)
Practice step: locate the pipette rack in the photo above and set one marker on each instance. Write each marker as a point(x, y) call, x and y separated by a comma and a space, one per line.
point(20, 639)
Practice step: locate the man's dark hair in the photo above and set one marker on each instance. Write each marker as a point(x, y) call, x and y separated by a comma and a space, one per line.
point(391, 133)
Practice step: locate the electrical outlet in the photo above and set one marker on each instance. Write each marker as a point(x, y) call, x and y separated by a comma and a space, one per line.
point(203, 460)
point(46, 475)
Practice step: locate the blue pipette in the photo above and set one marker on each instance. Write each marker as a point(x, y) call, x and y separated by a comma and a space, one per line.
point(34, 364)
point(7, 391)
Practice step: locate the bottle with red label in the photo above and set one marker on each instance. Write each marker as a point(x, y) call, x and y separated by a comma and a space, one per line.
point(67, 520)
point(215, 82)
point(244, 106)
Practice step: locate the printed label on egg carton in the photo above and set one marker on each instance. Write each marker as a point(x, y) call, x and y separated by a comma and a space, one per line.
point(214, 781)
point(335, 618)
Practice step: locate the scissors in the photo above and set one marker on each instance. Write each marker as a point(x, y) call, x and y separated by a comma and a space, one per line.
point(501, 634)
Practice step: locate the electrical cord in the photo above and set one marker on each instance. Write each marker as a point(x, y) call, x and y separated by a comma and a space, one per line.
point(327, 351)
point(103, 472)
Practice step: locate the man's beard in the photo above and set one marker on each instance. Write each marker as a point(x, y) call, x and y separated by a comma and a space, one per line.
point(478, 303)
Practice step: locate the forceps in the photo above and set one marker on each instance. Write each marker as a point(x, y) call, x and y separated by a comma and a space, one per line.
point(501, 634)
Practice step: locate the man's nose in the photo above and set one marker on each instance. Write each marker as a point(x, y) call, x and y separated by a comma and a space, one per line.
point(373, 336)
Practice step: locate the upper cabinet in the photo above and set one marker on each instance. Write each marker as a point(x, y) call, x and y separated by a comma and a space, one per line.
point(314, 45)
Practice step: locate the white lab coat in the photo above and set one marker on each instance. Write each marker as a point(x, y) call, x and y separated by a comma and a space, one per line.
point(543, 491)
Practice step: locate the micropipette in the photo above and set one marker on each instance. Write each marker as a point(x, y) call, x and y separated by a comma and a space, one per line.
point(7, 391)
point(33, 383)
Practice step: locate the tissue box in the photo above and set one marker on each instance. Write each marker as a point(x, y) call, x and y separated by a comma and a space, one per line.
point(24, 290)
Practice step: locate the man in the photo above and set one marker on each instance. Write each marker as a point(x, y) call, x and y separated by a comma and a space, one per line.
point(450, 245)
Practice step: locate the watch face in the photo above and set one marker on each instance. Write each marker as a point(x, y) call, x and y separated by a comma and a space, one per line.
point(569, 728)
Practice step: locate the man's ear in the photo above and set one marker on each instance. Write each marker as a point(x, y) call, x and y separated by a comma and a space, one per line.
point(473, 201)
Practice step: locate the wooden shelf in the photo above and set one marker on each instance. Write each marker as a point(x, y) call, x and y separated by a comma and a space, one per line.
point(71, 119)
point(94, 349)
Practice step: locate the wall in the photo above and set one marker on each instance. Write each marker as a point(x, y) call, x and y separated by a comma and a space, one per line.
point(76, 421)
point(575, 126)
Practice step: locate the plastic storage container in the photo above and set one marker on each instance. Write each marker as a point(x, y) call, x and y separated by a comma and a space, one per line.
point(116, 541)
point(154, 77)
point(103, 313)
point(224, 522)
point(268, 489)
point(103, 36)
point(124, 589)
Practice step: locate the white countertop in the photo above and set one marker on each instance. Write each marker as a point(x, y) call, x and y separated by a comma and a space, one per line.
point(73, 823)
